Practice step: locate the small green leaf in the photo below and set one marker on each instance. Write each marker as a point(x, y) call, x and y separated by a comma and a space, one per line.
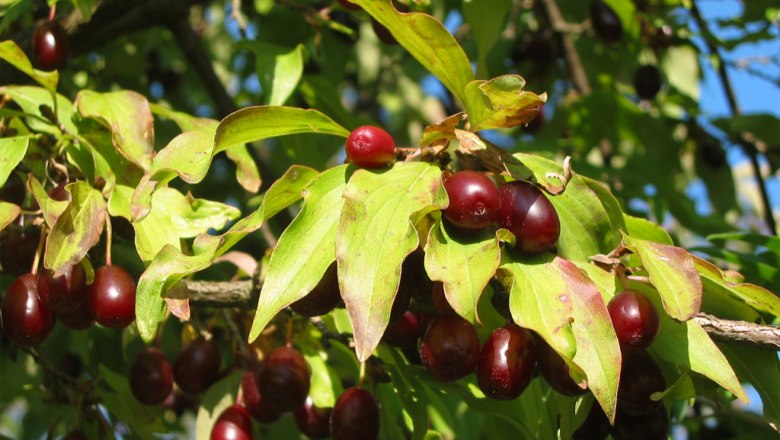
point(8, 213)
point(464, 264)
point(428, 41)
point(755, 296)
point(487, 24)
point(52, 209)
point(185, 121)
point(252, 124)
point(305, 249)
point(374, 235)
point(680, 66)
point(14, 54)
point(12, 151)
point(325, 384)
point(540, 300)
point(247, 173)
point(216, 399)
point(279, 69)
point(77, 229)
point(30, 98)
point(768, 241)
point(672, 272)
point(760, 368)
point(646, 230)
point(127, 115)
point(501, 103)
point(762, 126)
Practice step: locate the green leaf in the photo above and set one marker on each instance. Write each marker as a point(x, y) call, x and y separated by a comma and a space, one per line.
point(127, 115)
point(428, 41)
point(680, 66)
point(374, 235)
point(540, 300)
point(465, 264)
point(247, 174)
point(768, 241)
point(252, 124)
point(305, 249)
point(486, 24)
point(170, 265)
point(760, 368)
point(8, 213)
point(501, 103)
point(279, 69)
point(646, 230)
point(11, 52)
point(598, 350)
point(325, 384)
point(321, 93)
point(762, 126)
point(755, 296)
point(144, 420)
point(30, 99)
point(77, 229)
point(216, 399)
point(672, 272)
point(52, 209)
point(186, 122)
point(12, 151)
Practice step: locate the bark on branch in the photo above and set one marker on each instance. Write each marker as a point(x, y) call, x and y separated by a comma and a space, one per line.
point(243, 294)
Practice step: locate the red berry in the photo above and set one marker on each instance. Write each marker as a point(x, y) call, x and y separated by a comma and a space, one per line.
point(647, 81)
point(634, 318)
point(312, 420)
point(151, 377)
point(79, 319)
point(112, 297)
point(233, 424)
point(529, 215)
point(473, 200)
point(450, 348)
point(197, 366)
point(25, 319)
point(258, 407)
point(17, 249)
point(370, 147)
point(640, 377)
point(284, 379)
point(323, 298)
point(555, 370)
point(50, 46)
point(355, 416)
point(405, 332)
point(506, 362)
point(64, 293)
point(605, 21)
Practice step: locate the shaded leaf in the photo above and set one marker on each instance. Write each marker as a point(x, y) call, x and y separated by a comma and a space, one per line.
point(52, 209)
point(12, 151)
point(374, 236)
point(216, 399)
point(279, 69)
point(755, 296)
point(144, 419)
point(760, 368)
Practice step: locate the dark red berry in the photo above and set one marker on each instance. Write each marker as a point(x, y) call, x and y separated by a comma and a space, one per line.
point(312, 420)
point(640, 377)
point(654, 426)
point(79, 319)
point(370, 147)
point(506, 362)
point(536, 123)
point(414, 278)
point(17, 249)
point(355, 416)
point(647, 81)
point(197, 366)
point(63, 293)
point(258, 407)
point(59, 193)
point(635, 319)
point(405, 332)
point(323, 298)
point(233, 424)
point(473, 200)
point(151, 377)
point(605, 22)
point(595, 427)
point(285, 379)
point(555, 370)
point(50, 46)
point(13, 190)
point(111, 297)
point(529, 215)
point(450, 348)
point(439, 299)
point(25, 319)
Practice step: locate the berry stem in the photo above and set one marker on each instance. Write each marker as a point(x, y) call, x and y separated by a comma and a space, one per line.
point(289, 335)
point(52, 12)
point(362, 375)
point(38, 252)
point(108, 240)
point(620, 270)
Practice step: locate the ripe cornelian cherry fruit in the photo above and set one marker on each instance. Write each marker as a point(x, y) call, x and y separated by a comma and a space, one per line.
point(50, 46)
point(111, 297)
point(25, 319)
point(370, 147)
point(529, 215)
point(507, 362)
point(634, 318)
point(233, 424)
point(63, 293)
point(151, 377)
point(473, 200)
point(258, 407)
point(312, 420)
point(555, 370)
point(450, 348)
point(355, 416)
point(285, 379)
point(197, 366)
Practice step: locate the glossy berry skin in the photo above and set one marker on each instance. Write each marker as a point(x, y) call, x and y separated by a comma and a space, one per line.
point(506, 362)
point(151, 377)
point(647, 81)
point(233, 424)
point(285, 379)
point(450, 348)
point(355, 416)
point(370, 147)
point(312, 420)
point(63, 293)
point(654, 426)
point(595, 427)
point(473, 200)
point(323, 298)
point(405, 332)
point(79, 319)
point(529, 215)
point(17, 249)
point(111, 297)
point(50, 46)
point(555, 370)
point(605, 21)
point(258, 407)
point(634, 318)
point(25, 319)
point(197, 366)
point(640, 377)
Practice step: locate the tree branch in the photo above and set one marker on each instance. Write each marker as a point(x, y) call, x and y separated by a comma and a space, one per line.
point(243, 294)
point(563, 28)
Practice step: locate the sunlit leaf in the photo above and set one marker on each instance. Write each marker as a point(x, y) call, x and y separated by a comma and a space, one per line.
point(12, 151)
point(757, 297)
point(501, 103)
point(8, 213)
point(52, 209)
point(14, 55)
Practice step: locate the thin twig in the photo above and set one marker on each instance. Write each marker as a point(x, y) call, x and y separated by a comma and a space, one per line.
point(563, 29)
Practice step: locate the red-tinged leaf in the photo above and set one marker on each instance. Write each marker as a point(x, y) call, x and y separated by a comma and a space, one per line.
point(673, 273)
point(501, 102)
point(241, 260)
point(540, 300)
point(374, 235)
point(129, 118)
point(52, 209)
point(598, 350)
